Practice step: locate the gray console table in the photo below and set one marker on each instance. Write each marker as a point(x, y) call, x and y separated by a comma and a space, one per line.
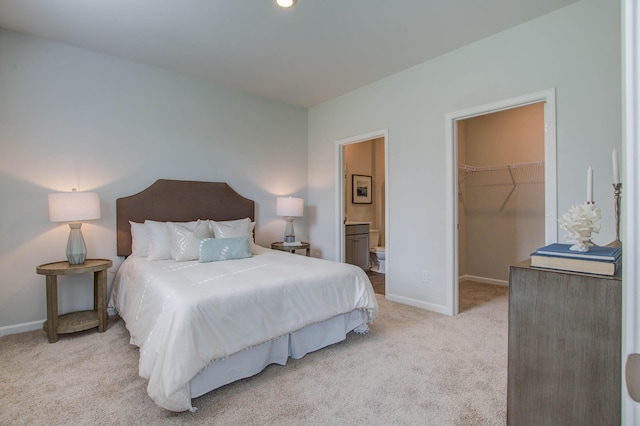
point(564, 348)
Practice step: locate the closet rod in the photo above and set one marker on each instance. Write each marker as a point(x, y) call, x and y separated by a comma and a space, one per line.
point(470, 169)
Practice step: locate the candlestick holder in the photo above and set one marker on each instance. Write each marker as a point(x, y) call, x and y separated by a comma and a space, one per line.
point(616, 199)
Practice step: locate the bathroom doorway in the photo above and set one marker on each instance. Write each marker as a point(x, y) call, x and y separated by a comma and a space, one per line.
point(501, 179)
point(362, 191)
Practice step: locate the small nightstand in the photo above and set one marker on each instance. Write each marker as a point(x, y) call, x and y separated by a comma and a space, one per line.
point(282, 247)
point(75, 321)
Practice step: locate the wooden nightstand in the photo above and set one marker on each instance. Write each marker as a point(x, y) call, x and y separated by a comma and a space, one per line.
point(82, 320)
point(291, 249)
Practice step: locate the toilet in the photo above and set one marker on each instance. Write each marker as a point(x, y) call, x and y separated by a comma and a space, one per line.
point(376, 252)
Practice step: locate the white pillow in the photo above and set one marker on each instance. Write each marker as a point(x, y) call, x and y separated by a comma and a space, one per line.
point(159, 241)
point(252, 237)
point(185, 244)
point(231, 228)
point(139, 240)
point(234, 228)
point(159, 244)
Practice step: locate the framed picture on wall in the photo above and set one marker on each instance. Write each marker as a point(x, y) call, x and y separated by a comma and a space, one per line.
point(361, 189)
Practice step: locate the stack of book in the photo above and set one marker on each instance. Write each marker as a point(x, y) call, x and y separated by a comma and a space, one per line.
point(598, 260)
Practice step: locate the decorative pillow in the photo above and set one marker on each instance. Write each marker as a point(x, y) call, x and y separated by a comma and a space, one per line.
point(159, 242)
point(234, 228)
point(185, 244)
point(217, 249)
point(139, 240)
point(253, 227)
point(231, 228)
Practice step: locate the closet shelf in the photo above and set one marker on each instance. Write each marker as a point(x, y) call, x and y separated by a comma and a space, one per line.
point(467, 169)
point(471, 169)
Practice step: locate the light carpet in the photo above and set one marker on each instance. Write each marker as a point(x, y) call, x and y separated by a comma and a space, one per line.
point(413, 368)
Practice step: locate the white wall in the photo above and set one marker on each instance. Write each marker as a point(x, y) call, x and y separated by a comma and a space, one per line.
point(75, 118)
point(575, 49)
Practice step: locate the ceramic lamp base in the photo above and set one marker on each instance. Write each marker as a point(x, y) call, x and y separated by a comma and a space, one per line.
point(76, 249)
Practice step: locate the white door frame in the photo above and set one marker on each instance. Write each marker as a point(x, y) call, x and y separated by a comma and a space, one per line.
point(630, 201)
point(550, 178)
point(340, 188)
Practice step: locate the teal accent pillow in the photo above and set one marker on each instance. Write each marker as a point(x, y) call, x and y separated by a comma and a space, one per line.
point(217, 249)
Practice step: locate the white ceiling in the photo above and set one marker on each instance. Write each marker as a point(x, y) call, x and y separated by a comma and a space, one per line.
point(313, 52)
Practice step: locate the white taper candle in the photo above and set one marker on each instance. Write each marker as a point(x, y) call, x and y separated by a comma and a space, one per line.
point(590, 184)
point(616, 171)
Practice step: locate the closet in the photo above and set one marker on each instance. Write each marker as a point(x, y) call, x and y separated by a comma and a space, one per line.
point(501, 209)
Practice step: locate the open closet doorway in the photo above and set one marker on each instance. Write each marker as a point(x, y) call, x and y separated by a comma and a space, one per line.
point(362, 205)
point(504, 193)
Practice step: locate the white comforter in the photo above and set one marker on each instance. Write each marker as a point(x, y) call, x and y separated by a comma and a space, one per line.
point(184, 315)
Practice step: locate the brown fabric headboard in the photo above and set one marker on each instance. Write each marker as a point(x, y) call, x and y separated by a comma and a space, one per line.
point(179, 201)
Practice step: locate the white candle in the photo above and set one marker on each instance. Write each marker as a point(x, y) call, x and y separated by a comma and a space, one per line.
point(616, 172)
point(590, 184)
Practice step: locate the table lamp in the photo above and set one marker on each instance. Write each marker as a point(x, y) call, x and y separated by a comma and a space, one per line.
point(289, 207)
point(73, 207)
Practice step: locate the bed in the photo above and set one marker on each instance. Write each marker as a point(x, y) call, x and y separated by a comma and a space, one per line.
point(204, 322)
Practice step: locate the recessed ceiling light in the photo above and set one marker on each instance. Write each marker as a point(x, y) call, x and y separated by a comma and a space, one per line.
point(286, 3)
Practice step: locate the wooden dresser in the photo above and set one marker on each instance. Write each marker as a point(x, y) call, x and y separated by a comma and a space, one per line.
point(564, 348)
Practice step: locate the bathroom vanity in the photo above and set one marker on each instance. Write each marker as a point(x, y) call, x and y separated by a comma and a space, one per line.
point(357, 244)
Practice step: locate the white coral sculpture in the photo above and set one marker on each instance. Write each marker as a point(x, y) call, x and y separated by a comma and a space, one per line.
point(580, 223)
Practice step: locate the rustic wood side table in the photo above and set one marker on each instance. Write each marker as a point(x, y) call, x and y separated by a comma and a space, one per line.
point(82, 320)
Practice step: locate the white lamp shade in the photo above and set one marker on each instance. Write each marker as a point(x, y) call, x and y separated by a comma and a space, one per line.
point(73, 206)
point(289, 206)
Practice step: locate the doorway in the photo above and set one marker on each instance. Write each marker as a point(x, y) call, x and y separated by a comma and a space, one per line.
point(500, 198)
point(547, 99)
point(363, 159)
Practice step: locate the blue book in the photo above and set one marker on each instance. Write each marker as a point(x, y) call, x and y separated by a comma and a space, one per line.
point(603, 254)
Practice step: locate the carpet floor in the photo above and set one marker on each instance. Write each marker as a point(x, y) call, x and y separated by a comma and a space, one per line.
point(413, 368)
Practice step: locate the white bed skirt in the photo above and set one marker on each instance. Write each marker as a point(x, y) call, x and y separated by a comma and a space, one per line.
point(250, 362)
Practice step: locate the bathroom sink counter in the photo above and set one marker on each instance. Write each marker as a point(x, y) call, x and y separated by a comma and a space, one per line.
point(357, 244)
point(361, 246)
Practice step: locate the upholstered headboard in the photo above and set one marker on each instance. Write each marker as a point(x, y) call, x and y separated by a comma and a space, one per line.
point(179, 201)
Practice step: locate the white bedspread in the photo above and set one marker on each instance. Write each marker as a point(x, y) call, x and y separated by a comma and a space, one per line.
point(184, 315)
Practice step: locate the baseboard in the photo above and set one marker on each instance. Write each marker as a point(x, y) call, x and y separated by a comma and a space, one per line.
point(440, 309)
point(483, 280)
point(35, 325)
point(21, 328)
